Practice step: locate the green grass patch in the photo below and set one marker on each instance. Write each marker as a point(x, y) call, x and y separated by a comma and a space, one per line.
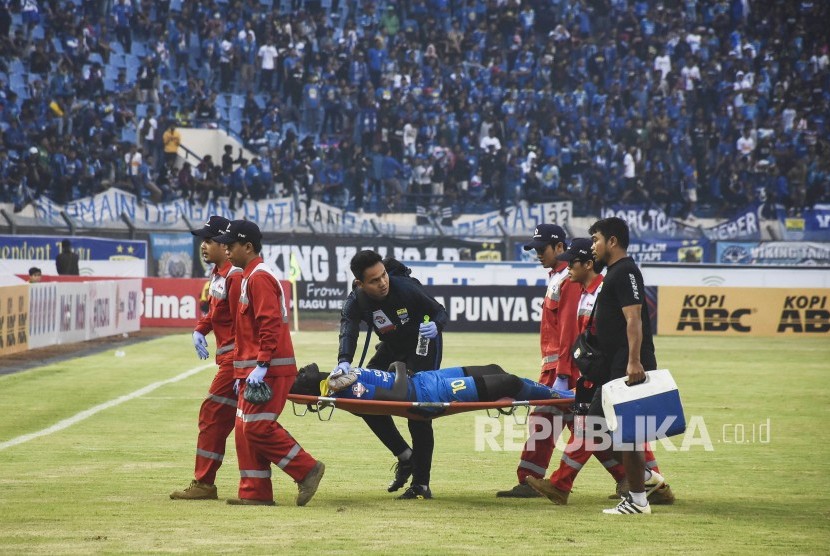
point(102, 484)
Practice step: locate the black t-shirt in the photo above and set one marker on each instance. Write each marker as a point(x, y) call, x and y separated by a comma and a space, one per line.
point(622, 287)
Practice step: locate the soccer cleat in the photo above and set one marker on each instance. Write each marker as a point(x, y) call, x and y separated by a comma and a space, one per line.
point(628, 507)
point(403, 471)
point(308, 486)
point(654, 482)
point(250, 502)
point(546, 488)
point(657, 490)
point(663, 496)
point(522, 490)
point(416, 492)
point(196, 491)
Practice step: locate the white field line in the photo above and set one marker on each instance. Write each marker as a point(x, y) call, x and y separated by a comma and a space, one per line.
point(85, 414)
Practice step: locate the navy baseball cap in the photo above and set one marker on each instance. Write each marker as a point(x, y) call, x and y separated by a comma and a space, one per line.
point(579, 250)
point(545, 234)
point(242, 231)
point(215, 226)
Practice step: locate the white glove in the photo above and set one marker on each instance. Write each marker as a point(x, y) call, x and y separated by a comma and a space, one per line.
point(256, 376)
point(428, 330)
point(201, 345)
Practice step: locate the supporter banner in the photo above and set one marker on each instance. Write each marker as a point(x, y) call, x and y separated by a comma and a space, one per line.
point(650, 222)
point(774, 253)
point(14, 319)
point(701, 311)
point(812, 225)
point(491, 308)
point(743, 226)
point(97, 256)
point(106, 208)
point(516, 220)
point(323, 275)
point(172, 254)
point(174, 302)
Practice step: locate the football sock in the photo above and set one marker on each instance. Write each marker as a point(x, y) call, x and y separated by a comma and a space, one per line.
point(639, 498)
point(647, 475)
point(405, 455)
point(532, 390)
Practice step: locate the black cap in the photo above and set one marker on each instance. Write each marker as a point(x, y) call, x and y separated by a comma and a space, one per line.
point(545, 234)
point(216, 225)
point(579, 250)
point(243, 231)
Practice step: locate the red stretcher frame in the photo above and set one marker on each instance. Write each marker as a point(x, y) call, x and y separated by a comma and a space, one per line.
point(421, 411)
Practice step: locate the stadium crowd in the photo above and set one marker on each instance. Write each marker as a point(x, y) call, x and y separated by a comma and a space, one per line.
point(698, 106)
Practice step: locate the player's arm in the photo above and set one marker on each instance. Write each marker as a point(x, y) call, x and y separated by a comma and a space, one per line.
point(349, 328)
point(399, 388)
point(634, 331)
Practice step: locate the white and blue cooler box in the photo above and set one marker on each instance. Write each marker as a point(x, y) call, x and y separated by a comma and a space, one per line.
point(645, 411)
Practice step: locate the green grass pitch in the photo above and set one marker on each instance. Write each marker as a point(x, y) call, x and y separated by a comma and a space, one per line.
point(101, 485)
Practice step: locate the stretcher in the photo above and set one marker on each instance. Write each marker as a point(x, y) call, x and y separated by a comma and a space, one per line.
point(422, 411)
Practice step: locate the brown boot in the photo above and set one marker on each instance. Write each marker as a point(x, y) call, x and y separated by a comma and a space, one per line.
point(308, 486)
point(522, 490)
point(663, 496)
point(546, 488)
point(196, 491)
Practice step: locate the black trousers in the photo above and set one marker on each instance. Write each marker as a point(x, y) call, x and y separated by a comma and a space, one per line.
point(423, 440)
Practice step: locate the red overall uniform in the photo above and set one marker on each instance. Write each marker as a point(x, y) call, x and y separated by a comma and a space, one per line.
point(218, 411)
point(262, 335)
point(561, 295)
point(576, 455)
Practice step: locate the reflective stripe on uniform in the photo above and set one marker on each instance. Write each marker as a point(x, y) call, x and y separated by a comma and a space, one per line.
point(255, 473)
point(273, 363)
point(209, 455)
point(224, 401)
point(225, 349)
point(550, 359)
point(533, 467)
point(252, 417)
point(287, 459)
point(571, 463)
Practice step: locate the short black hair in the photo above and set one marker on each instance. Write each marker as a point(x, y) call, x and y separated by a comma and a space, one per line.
point(34, 270)
point(308, 380)
point(66, 245)
point(363, 260)
point(612, 227)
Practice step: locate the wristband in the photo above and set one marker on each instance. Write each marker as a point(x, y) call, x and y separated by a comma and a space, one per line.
point(262, 364)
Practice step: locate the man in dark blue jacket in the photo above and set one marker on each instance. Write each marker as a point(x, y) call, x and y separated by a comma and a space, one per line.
point(394, 307)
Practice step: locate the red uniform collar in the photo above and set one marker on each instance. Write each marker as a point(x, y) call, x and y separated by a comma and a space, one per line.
point(592, 287)
point(249, 268)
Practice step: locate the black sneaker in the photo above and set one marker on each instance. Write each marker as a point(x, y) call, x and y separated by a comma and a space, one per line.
point(403, 471)
point(416, 492)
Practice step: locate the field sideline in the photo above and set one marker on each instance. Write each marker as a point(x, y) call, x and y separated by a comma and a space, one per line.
point(101, 483)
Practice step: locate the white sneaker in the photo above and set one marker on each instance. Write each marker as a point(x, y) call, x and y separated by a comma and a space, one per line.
point(628, 507)
point(654, 482)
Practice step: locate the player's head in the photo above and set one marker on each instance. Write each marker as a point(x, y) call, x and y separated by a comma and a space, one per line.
point(308, 381)
point(66, 246)
point(211, 250)
point(581, 265)
point(610, 239)
point(242, 240)
point(549, 241)
point(370, 274)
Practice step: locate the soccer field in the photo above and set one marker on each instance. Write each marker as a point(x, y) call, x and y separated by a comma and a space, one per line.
point(109, 438)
